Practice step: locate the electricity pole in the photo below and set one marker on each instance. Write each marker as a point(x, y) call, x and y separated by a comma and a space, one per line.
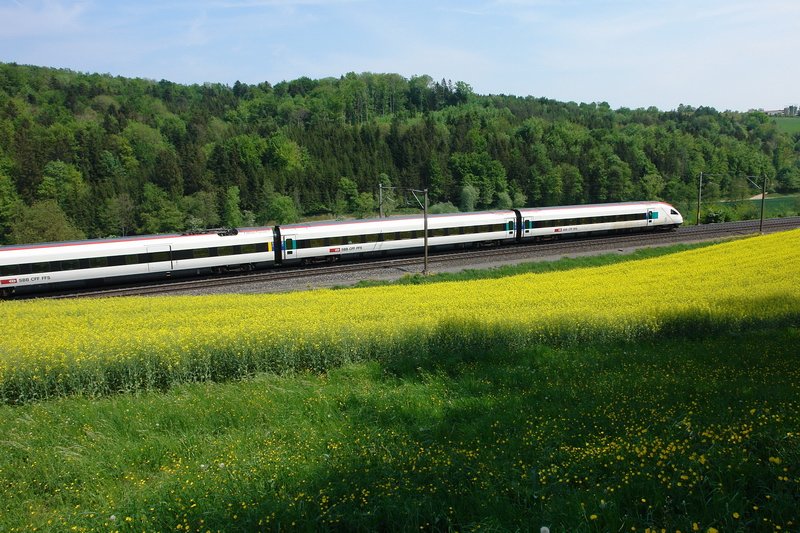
point(423, 204)
point(763, 198)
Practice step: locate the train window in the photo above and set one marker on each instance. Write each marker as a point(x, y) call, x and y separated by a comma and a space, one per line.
point(70, 264)
point(673, 212)
point(248, 248)
point(158, 257)
point(38, 268)
point(225, 250)
point(98, 262)
point(116, 260)
point(179, 255)
point(201, 253)
point(9, 270)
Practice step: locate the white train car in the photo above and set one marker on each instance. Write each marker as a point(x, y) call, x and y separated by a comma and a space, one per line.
point(60, 265)
point(334, 240)
point(65, 264)
point(555, 222)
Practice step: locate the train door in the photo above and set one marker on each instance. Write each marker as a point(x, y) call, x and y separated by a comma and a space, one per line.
point(511, 228)
point(159, 258)
point(527, 227)
point(652, 217)
point(289, 247)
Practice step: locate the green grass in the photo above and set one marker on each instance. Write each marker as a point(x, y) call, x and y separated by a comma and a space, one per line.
point(560, 265)
point(665, 433)
point(790, 125)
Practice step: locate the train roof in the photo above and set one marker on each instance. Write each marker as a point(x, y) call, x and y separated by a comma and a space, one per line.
point(400, 218)
point(610, 205)
point(130, 240)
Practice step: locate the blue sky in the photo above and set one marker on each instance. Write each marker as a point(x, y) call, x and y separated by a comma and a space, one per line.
point(728, 54)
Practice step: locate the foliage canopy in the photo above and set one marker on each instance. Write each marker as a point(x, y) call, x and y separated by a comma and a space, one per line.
point(125, 155)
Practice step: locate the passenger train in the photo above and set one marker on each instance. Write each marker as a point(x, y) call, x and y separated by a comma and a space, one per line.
point(52, 266)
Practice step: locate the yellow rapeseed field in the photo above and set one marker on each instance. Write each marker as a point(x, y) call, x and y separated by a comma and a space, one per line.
point(100, 346)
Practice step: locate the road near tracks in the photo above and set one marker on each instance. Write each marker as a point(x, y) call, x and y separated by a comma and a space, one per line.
point(351, 272)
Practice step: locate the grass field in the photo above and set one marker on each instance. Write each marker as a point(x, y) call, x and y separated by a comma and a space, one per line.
point(670, 434)
point(654, 394)
point(790, 125)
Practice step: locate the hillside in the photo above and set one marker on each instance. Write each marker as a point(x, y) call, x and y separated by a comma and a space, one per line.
point(98, 155)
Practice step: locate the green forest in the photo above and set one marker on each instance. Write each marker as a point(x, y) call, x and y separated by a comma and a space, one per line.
point(96, 155)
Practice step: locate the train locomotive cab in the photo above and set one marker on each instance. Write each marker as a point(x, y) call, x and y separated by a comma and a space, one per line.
point(663, 216)
point(674, 217)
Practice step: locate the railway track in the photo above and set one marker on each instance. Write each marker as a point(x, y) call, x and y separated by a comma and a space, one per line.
point(293, 278)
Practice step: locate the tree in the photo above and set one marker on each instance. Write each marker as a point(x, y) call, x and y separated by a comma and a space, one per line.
point(572, 184)
point(469, 196)
point(201, 210)
point(504, 201)
point(281, 209)
point(286, 154)
point(442, 208)
point(349, 192)
point(479, 170)
point(519, 199)
point(64, 183)
point(365, 205)
point(167, 173)
point(10, 205)
point(44, 221)
point(158, 212)
point(120, 214)
point(388, 196)
point(231, 212)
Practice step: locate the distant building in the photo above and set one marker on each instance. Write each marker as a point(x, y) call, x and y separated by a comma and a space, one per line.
point(790, 111)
